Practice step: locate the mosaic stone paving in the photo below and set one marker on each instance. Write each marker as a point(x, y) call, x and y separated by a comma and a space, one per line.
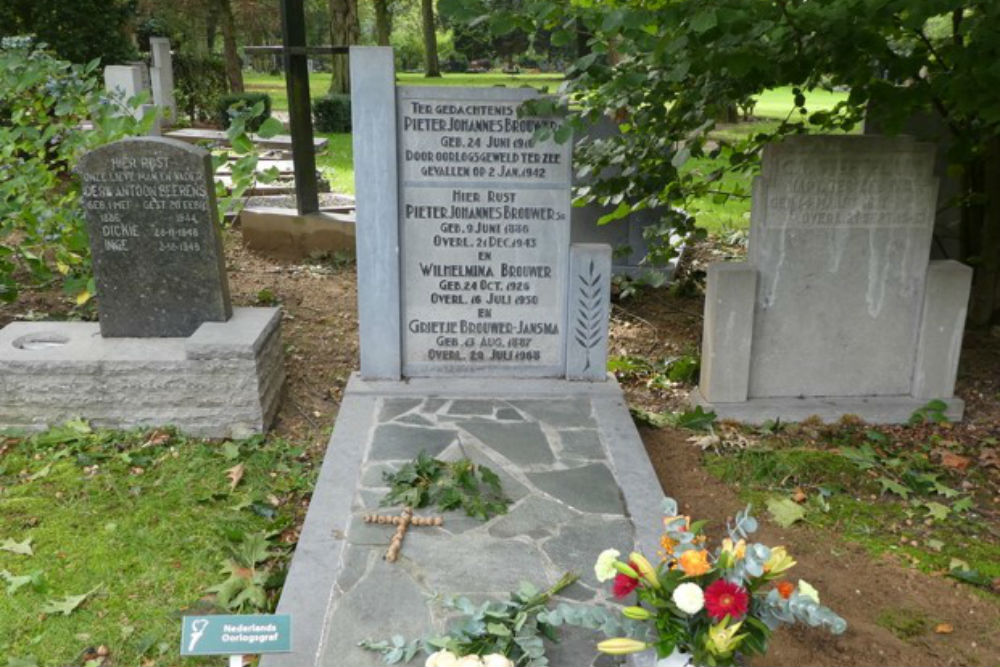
point(566, 507)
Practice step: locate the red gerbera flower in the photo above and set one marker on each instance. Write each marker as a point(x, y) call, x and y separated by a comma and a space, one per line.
point(624, 584)
point(724, 598)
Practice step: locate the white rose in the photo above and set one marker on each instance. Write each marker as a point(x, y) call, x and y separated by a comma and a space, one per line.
point(604, 568)
point(497, 660)
point(441, 659)
point(469, 661)
point(689, 598)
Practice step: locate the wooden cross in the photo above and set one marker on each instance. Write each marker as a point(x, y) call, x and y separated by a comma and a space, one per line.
point(402, 523)
point(296, 54)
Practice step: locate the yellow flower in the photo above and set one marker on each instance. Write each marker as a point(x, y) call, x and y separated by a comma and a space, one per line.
point(778, 562)
point(694, 562)
point(722, 639)
point(621, 646)
point(668, 545)
point(737, 550)
point(645, 568)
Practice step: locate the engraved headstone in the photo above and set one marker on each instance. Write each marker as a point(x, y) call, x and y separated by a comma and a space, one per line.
point(485, 229)
point(154, 238)
point(465, 260)
point(846, 305)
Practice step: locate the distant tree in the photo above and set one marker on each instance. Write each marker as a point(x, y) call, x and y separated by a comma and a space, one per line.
point(383, 22)
point(666, 69)
point(431, 66)
point(234, 68)
point(345, 30)
point(78, 31)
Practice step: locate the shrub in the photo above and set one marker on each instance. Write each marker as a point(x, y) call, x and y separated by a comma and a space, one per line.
point(199, 84)
point(233, 101)
point(77, 31)
point(43, 103)
point(333, 113)
point(457, 63)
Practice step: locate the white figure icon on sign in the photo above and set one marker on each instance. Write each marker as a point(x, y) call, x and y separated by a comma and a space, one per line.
point(197, 631)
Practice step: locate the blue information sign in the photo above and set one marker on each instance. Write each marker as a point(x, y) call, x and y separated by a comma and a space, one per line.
point(236, 635)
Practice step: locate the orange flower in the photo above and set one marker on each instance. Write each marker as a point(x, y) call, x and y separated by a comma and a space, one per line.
point(667, 544)
point(785, 589)
point(695, 562)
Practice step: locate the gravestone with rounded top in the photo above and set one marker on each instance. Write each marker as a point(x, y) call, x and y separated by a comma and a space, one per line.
point(154, 237)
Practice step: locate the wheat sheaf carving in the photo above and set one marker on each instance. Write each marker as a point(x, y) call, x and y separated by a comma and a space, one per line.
point(590, 314)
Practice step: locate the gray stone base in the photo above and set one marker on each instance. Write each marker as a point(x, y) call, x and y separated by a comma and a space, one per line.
point(873, 409)
point(283, 233)
point(222, 381)
point(569, 458)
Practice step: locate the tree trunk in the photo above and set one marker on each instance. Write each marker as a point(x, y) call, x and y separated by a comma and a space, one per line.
point(383, 22)
point(234, 71)
point(982, 234)
point(431, 66)
point(211, 28)
point(345, 30)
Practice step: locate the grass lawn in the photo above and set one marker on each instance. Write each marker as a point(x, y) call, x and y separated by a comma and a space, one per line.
point(141, 523)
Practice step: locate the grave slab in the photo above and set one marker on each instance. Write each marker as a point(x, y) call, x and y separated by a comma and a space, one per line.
point(340, 590)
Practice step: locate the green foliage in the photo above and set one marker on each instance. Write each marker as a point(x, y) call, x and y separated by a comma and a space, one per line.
point(449, 485)
point(333, 113)
point(515, 627)
point(43, 104)
point(933, 412)
point(243, 157)
point(666, 373)
point(78, 31)
point(199, 83)
point(667, 71)
point(249, 570)
point(232, 103)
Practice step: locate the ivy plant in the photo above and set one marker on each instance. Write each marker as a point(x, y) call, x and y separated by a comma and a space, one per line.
point(448, 484)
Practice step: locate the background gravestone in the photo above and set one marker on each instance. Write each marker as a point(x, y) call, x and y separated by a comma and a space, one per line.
point(154, 237)
point(837, 309)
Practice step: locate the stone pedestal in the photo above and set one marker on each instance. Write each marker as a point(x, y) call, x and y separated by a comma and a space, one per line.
point(223, 381)
point(283, 233)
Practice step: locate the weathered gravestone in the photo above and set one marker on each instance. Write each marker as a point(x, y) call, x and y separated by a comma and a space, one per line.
point(169, 348)
point(483, 335)
point(155, 242)
point(837, 309)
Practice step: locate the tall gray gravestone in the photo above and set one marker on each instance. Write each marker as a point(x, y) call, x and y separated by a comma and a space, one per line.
point(837, 309)
point(154, 235)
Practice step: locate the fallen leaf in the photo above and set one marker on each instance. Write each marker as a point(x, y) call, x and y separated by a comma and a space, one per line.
point(230, 451)
point(705, 441)
point(22, 548)
point(785, 511)
point(799, 495)
point(944, 628)
point(157, 437)
point(989, 457)
point(14, 583)
point(41, 473)
point(955, 461)
point(68, 604)
point(235, 474)
point(937, 511)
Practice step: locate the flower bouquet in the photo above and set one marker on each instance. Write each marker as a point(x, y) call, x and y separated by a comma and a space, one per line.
point(709, 603)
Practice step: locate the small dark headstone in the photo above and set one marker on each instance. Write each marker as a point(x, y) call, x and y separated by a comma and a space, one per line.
point(154, 237)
